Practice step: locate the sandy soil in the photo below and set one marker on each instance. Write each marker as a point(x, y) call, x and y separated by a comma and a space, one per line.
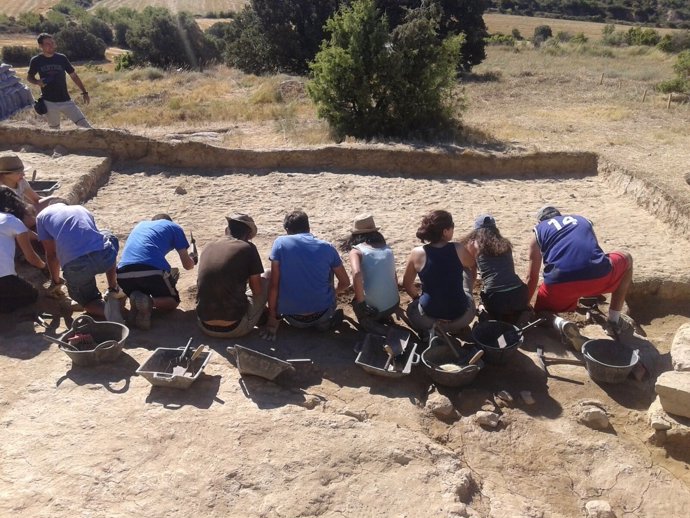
point(332, 440)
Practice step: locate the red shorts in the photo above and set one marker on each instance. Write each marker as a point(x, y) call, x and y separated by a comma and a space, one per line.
point(564, 296)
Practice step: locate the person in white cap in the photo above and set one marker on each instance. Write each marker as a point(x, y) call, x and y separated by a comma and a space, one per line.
point(374, 278)
point(12, 171)
point(224, 306)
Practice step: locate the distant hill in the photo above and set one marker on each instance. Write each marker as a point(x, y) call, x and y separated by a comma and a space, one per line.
point(660, 13)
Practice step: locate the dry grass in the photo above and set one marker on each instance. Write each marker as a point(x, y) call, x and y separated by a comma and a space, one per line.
point(15, 7)
point(505, 23)
point(194, 6)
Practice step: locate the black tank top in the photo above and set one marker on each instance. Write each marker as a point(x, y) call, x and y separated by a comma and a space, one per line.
point(442, 290)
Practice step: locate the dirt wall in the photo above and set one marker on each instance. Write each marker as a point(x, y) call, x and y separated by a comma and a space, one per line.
point(122, 146)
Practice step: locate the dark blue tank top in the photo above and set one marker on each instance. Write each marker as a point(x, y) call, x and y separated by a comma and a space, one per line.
point(570, 250)
point(442, 290)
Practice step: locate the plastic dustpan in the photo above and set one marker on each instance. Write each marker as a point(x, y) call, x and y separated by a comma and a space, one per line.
point(254, 363)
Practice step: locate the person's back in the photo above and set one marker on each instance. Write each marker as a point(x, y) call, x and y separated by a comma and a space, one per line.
point(306, 273)
point(442, 283)
point(497, 272)
point(224, 269)
point(378, 271)
point(149, 243)
point(73, 229)
point(570, 250)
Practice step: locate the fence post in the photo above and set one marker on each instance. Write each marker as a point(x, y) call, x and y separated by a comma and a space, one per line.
point(668, 104)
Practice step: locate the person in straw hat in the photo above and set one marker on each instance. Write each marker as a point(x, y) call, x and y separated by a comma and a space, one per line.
point(225, 307)
point(374, 278)
point(12, 171)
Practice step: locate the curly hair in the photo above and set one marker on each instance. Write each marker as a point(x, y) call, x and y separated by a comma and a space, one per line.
point(489, 241)
point(370, 238)
point(10, 203)
point(433, 225)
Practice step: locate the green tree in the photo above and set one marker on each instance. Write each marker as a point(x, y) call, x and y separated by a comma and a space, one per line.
point(77, 44)
point(457, 17)
point(293, 29)
point(246, 46)
point(165, 40)
point(369, 82)
point(541, 34)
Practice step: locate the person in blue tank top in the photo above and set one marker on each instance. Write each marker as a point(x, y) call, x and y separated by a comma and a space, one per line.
point(503, 293)
point(575, 266)
point(374, 278)
point(447, 272)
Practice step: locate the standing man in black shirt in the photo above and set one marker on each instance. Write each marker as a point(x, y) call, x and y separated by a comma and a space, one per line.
point(52, 68)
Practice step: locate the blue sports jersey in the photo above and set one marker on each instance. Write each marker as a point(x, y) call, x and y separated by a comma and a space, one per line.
point(150, 241)
point(570, 250)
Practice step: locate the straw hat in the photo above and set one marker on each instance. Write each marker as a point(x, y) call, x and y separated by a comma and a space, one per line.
point(247, 220)
point(11, 163)
point(363, 224)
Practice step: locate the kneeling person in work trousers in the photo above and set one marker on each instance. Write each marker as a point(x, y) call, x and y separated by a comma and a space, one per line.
point(225, 308)
point(143, 272)
point(575, 266)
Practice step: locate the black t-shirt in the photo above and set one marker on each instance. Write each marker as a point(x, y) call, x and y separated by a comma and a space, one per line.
point(224, 269)
point(53, 72)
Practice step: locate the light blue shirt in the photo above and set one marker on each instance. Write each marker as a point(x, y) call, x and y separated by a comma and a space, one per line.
point(306, 273)
point(378, 273)
point(73, 229)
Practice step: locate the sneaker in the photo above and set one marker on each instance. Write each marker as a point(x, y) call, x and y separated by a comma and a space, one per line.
point(624, 327)
point(141, 309)
point(113, 309)
point(116, 292)
point(336, 319)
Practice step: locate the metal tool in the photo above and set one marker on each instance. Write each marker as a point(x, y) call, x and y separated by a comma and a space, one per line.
point(60, 342)
point(544, 361)
point(195, 254)
point(438, 329)
point(512, 336)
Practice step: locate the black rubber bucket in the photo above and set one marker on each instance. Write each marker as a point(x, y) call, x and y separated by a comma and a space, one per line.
point(436, 356)
point(609, 361)
point(486, 335)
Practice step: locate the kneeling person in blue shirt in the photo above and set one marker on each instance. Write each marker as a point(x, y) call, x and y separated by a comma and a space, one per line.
point(143, 272)
point(301, 283)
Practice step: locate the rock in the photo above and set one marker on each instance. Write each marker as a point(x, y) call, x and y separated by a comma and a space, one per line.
point(360, 415)
point(487, 418)
point(180, 190)
point(457, 509)
point(687, 178)
point(504, 398)
point(291, 89)
point(59, 151)
point(526, 396)
point(599, 509)
point(673, 388)
point(310, 401)
point(658, 419)
point(594, 417)
point(29, 149)
point(440, 406)
point(680, 349)
point(465, 485)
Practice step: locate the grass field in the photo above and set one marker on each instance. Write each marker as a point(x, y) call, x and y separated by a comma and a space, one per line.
point(14, 7)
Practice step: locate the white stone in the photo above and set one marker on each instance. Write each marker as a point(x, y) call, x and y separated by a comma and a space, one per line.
point(673, 388)
point(658, 419)
point(440, 406)
point(527, 397)
point(465, 485)
point(594, 417)
point(680, 349)
point(487, 418)
point(599, 509)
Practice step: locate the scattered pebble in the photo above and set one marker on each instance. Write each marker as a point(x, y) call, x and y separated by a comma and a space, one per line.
point(526, 396)
point(658, 419)
point(504, 398)
point(594, 417)
point(599, 509)
point(180, 190)
point(310, 401)
point(440, 406)
point(487, 418)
